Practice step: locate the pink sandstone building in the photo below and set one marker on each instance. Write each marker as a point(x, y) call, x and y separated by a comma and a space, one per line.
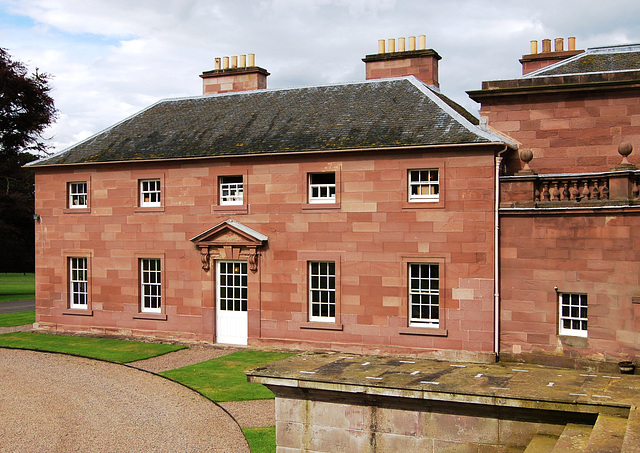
point(373, 217)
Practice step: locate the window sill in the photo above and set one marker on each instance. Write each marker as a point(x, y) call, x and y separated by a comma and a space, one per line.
point(320, 206)
point(230, 209)
point(76, 211)
point(153, 316)
point(423, 204)
point(321, 326)
point(426, 331)
point(148, 209)
point(77, 312)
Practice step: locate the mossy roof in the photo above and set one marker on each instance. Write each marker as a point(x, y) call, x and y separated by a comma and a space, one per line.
point(382, 113)
point(595, 60)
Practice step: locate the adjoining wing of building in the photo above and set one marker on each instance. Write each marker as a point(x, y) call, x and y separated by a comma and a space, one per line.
point(373, 217)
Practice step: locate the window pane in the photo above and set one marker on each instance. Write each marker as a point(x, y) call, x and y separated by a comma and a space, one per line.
point(424, 302)
point(322, 291)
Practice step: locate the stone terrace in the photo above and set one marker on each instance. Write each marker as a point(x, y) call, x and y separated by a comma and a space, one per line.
point(333, 402)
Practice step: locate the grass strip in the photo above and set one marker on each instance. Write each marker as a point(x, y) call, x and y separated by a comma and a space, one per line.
point(17, 319)
point(223, 378)
point(17, 276)
point(17, 287)
point(119, 351)
point(261, 440)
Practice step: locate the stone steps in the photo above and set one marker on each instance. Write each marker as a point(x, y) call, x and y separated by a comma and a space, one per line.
point(573, 438)
point(610, 434)
point(541, 443)
point(607, 435)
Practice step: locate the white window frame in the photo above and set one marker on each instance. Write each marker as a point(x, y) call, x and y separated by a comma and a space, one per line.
point(424, 185)
point(150, 285)
point(232, 287)
point(231, 191)
point(573, 314)
point(322, 291)
point(322, 192)
point(150, 193)
point(78, 283)
point(424, 295)
point(78, 196)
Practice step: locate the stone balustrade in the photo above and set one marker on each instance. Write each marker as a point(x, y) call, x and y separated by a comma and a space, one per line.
point(615, 188)
point(573, 190)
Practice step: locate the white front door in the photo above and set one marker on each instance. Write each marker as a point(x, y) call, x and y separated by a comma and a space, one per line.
point(231, 303)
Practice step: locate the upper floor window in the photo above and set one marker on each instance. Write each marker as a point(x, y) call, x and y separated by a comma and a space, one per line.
point(424, 295)
point(424, 185)
point(231, 191)
point(78, 283)
point(322, 291)
point(77, 195)
point(149, 192)
point(573, 314)
point(151, 285)
point(322, 188)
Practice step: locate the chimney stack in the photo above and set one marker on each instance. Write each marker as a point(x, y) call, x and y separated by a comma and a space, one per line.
point(535, 60)
point(234, 75)
point(421, 62)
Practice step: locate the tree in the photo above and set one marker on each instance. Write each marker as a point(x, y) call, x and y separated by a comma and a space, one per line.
point(26, 109)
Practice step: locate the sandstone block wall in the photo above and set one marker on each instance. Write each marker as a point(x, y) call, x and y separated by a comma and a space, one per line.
point(372, 233)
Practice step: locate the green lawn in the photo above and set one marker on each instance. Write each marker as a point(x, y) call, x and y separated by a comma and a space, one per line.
point(17, 319)
point(119, 351)
point(261, 440)
point(17, 287)
point(223, 378)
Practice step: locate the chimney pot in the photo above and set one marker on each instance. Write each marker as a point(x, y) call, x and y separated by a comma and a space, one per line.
point(401, 47)
point(412, 43)
point(252, 60)
point(234, 61)
point(243, 61)
point(381, 46)
point(572, 43)
point(225, 62)
point(392, 45)
point(546, 45)
point(218, 63)
point(534, 47)
point(559, 45)
point(422, 42)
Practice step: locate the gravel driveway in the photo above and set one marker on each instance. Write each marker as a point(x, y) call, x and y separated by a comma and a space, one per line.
point(58, 403)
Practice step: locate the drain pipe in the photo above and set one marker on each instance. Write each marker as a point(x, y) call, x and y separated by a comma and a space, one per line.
point(496, 263)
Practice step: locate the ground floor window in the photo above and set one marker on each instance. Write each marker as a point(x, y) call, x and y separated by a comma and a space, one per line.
point(151, 285)
point(322, 291)
point(232, 285)
point(573, 314)
point(78, 283)
point(424, 295)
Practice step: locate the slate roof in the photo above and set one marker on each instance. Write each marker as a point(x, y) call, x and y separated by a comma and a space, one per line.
point(377, 113)
point(595, 60)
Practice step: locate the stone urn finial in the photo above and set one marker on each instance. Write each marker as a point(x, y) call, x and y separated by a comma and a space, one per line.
point(526, 155)
point(624, 149)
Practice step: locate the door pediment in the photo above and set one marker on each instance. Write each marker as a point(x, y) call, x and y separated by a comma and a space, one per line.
point(230, 233)
point(230, 240)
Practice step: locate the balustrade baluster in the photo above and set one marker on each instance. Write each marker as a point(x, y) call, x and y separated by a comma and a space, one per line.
point(595, 192)
point(545, 191)
point(605, 190)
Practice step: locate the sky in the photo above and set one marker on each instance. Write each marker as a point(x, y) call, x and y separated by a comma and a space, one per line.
point(109, 59)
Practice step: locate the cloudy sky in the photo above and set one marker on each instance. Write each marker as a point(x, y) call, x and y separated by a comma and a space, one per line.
point(111, 58)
